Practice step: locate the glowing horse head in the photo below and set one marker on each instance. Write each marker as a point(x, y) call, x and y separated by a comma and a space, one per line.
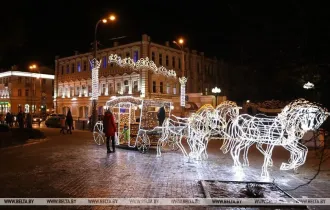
point(301, 116)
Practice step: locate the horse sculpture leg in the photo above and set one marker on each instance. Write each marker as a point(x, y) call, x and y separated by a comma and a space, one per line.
point(234, 151)
point(247, 146)
point(264, 153)
point(267, 158)
point(297, 157)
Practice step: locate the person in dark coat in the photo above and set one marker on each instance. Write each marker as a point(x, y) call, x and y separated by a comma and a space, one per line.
point(9, 119)
point(109, 128)
point(20, 119)
point(161, 115)
point(69, 122)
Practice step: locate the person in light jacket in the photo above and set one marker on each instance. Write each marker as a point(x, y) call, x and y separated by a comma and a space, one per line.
point(109, 129)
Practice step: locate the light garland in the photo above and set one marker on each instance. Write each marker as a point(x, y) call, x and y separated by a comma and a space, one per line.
point(141, 64)
point(120, 99)
point(297, 118)
point(95, 77)
point(183, 81)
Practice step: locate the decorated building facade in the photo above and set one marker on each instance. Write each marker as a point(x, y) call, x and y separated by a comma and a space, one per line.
point(25, 91)
point(73, 77)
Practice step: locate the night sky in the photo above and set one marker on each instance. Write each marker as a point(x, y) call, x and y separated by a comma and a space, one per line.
point(37, 31)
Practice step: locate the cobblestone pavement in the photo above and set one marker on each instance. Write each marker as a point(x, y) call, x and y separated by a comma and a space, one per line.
point(74, 166)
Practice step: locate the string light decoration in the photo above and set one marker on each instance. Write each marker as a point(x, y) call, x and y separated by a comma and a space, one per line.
point(173, 130)
point(286, 129)
point(141, 64)
point(95, 64)
point(121, 99)
point(183, 81)
point(98, 134)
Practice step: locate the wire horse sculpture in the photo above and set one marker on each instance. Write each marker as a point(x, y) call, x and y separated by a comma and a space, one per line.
point(286, 129)
point(202, 125)
point(173, 130)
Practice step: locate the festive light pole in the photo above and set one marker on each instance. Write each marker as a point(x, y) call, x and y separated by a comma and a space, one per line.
point(95, 72)
point(216, 91)
point(183, 79)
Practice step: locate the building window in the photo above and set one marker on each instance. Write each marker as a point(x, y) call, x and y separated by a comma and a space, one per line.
point(72, 68)
point(19, 80)
point(168, 88)
point(154, 86)
point(128, 55)
point(67, 69)
point(104, 88)
point(161, 87)
point(173, 62)
point(110, 88)
point(126, 86)
point(118, 87)
point(179, 63)
point(62, 69)
point(136, 56)
point(153, 56)
point(166, 60)
point(90, 66)
point(43, 81)
point(85, 66)
point(104, 62)
point(174, 89)
point(78, 67)
point(197, 67)
point(26, 92)
point(19, 92)
point(27, 80)
point(27, 108)
point(135, 86)
point(160, 59)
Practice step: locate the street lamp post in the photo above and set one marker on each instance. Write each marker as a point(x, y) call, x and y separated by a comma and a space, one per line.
point(216, 91)
point(95, 69)
point(183, 79)
point(308, 86)
point(33, 67)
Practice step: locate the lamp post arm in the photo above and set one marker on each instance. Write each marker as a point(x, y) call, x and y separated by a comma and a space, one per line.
point(95, 40)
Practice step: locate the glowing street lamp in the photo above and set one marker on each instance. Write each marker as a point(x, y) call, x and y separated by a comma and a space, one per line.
point(308, 85)
point(95, 71)
point(34, 67)
point(216, 91)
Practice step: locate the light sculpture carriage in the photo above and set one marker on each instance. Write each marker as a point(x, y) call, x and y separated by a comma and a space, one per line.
point(140, 116)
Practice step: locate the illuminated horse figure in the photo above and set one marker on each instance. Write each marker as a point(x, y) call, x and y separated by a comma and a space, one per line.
point(173, 130)
point(202, 124)
point(297, 118)
point(225, 112)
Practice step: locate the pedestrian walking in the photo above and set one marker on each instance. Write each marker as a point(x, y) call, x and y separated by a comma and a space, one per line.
point(20, 119)
point(109, 129)
point(29, 120)
point(69, 122)
point(63, 125)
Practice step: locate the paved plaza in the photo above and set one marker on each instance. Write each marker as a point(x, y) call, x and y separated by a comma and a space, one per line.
point(73, 166)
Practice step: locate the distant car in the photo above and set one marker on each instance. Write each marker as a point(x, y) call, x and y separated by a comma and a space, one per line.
point(53, 120)
point(36, 120)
